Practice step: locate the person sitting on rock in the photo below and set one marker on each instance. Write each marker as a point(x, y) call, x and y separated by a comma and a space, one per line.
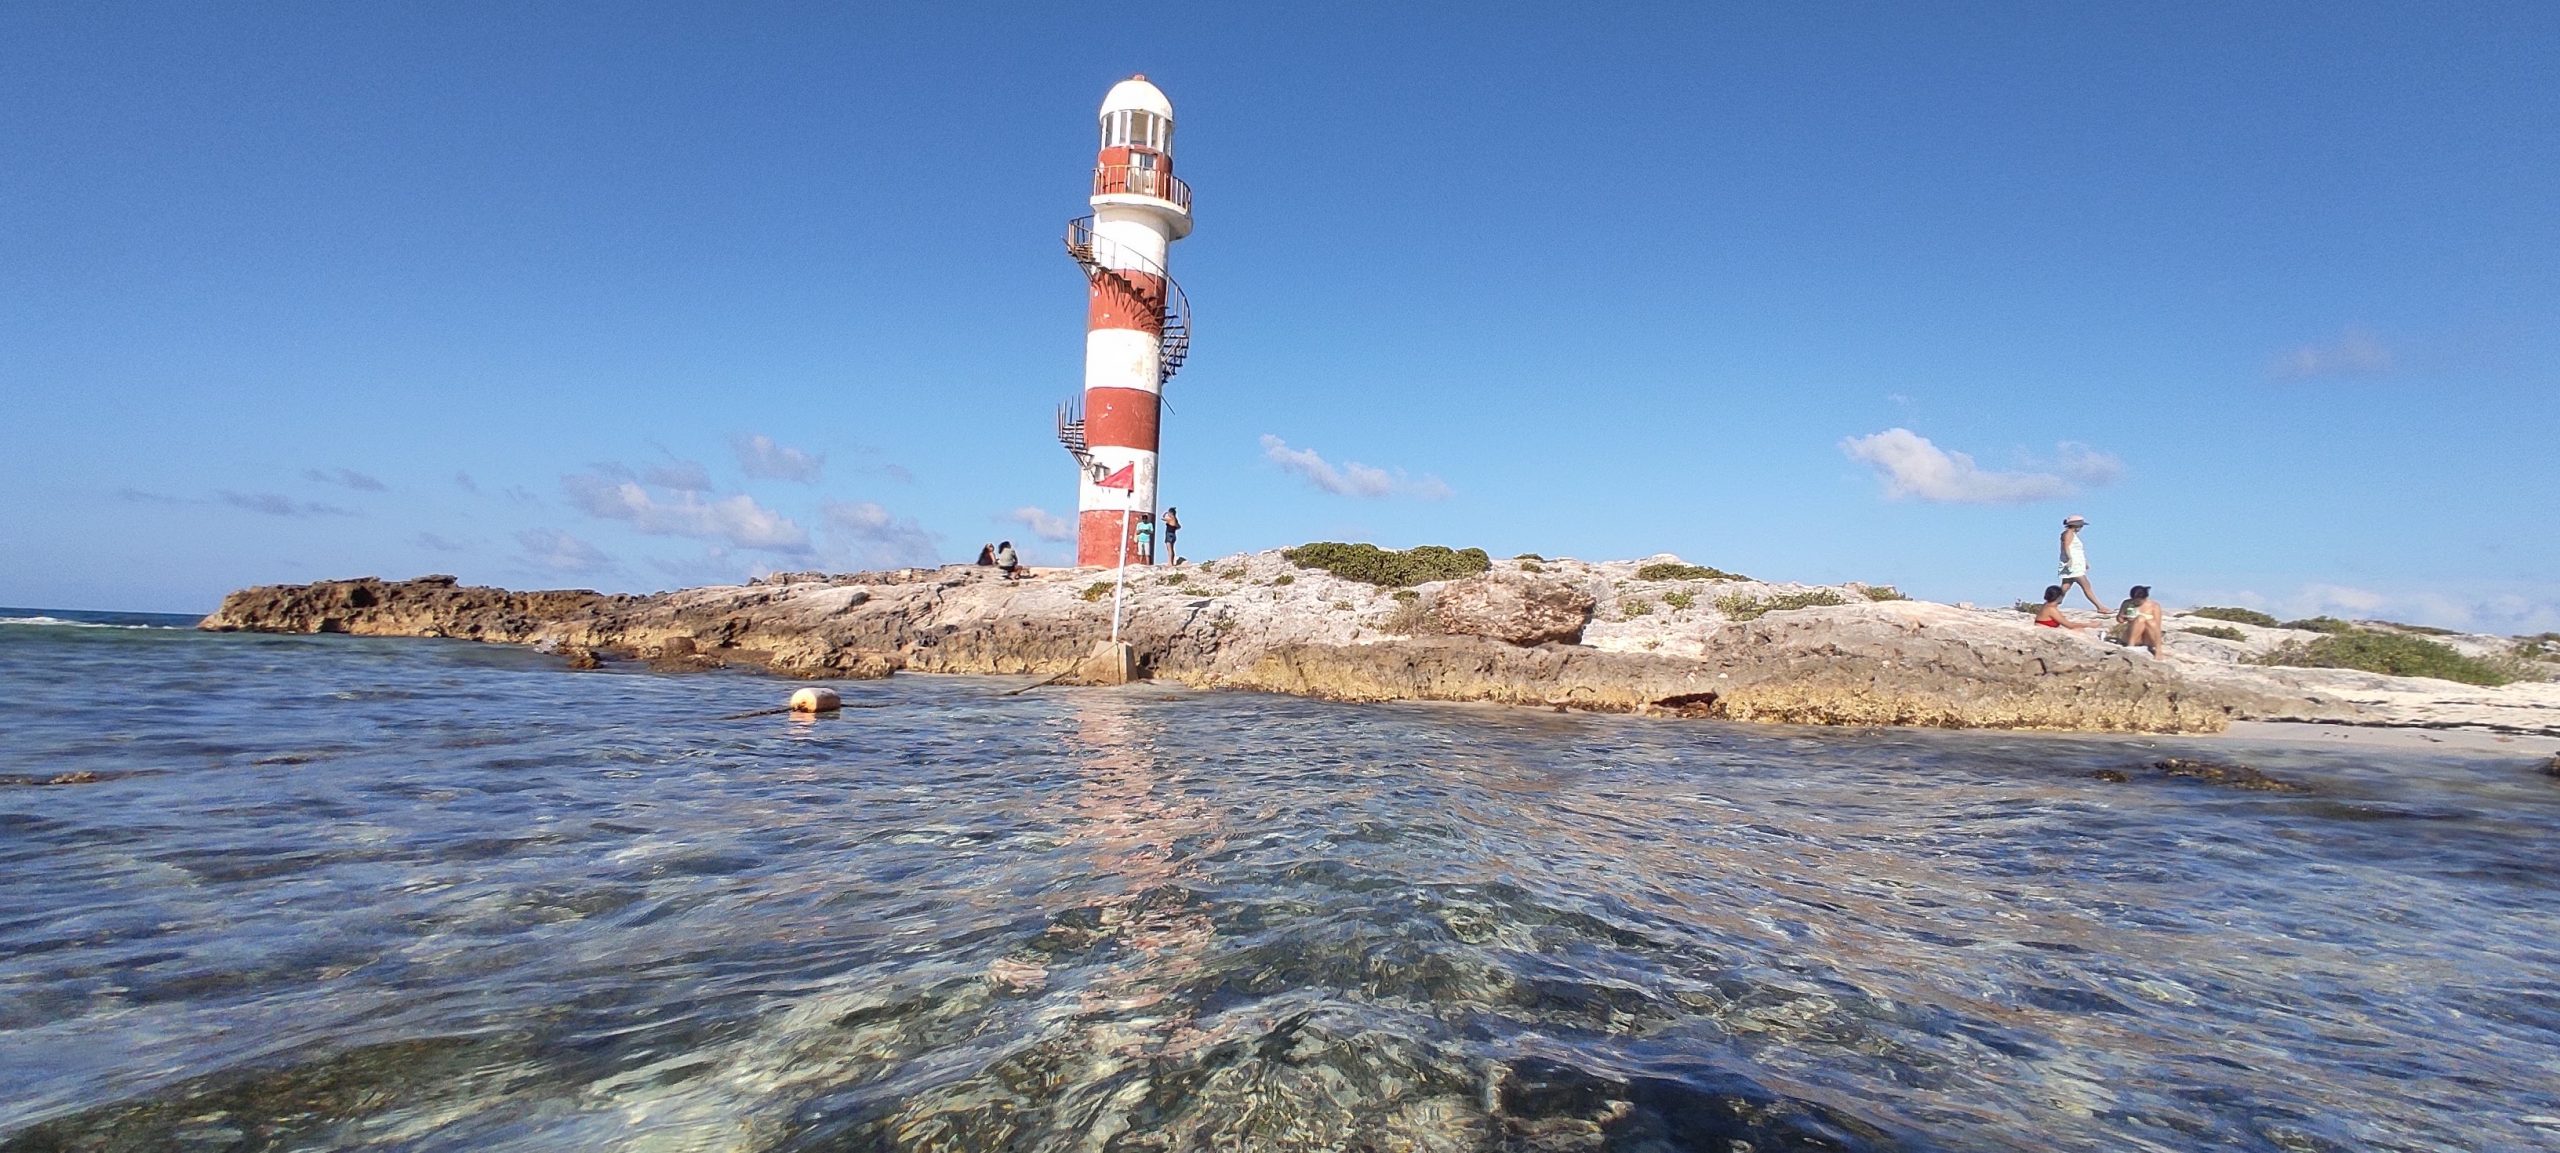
point(2139, 622)
point(986, 555)
point(1011, 563)
point(2050, 616)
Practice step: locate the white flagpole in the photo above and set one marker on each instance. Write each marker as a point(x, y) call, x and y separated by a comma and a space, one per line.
point(1128, 502)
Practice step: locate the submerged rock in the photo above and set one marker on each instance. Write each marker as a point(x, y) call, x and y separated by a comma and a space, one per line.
point(2233, 776)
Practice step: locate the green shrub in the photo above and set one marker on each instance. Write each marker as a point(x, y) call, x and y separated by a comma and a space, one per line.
point(2539, 647)
point(1407, 596)
point(1632, 607)
point(1528, 556)
point(1675, 571)
point(1285, 579)
point(1174, 579)
point(2388, 653)
point(1883, 593)
point(2235, 616)
point(1750, 608)
point(1532, 566)
point(1389, 568)
point(1096, 591)
point(2321, 625)
point(2421, 630)
point(1680, 600)
point(2217, 632)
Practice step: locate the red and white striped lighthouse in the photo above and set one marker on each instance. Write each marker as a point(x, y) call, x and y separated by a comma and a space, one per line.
point(1137, 325)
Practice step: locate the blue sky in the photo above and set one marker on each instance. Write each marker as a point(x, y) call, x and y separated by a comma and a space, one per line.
point(638, 296)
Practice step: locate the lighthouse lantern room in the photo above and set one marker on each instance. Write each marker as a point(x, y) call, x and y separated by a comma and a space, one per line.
point(1137, 324)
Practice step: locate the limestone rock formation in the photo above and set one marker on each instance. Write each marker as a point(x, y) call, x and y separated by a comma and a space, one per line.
point(1513, 609)
point(1565, 633)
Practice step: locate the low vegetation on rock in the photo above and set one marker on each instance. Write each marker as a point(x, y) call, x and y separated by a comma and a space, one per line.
point(2421, 630)
point(1632, 607)
point(2539, 647)
point(1883, 593)
point(1676, 571)
point(1750, 608)
point(1681, 599)
point(1389, 568)
point(1096, 591)
point(2217, 632)
point(2331, 625)
point(2236, 616)
point(2391, 654)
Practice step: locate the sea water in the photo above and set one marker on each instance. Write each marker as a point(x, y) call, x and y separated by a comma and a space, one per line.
point(329, 892)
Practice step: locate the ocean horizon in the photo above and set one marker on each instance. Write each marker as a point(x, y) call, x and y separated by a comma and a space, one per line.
point(96, 618)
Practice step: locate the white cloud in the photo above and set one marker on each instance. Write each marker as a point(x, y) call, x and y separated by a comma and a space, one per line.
point(1043, 524)
point(345, 478)
point(2355, 353)
point(432, 541)
point(2317, 599)
point(552, 550)
point(1913, 468)
point(759, 456)
point(736, 520)
point(680, 475)
point(1350, 478)
point(276, 504)
point(870, 537)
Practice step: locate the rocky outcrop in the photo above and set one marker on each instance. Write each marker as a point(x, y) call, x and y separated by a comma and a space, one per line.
point(1513, 609)
point(1857, 671)
point(430, 606)
point(1258, 622)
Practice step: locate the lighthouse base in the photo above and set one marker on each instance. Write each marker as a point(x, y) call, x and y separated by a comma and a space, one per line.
point(1098, 538)
point(1110, 663)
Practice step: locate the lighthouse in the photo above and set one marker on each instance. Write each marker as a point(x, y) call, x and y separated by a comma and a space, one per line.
point(1137, 325)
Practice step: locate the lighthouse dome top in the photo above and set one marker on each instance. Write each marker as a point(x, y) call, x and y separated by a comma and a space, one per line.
point(1136, 94)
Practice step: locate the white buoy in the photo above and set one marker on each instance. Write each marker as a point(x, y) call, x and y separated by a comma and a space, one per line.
point(816, 701)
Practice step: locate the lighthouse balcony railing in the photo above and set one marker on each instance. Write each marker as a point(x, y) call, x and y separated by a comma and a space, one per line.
point(1132, 180)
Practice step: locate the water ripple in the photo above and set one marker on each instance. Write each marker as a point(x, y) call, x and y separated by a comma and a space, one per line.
point(430, 896)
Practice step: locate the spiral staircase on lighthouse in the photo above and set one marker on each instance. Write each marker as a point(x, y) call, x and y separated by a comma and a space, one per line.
point(1103, 261)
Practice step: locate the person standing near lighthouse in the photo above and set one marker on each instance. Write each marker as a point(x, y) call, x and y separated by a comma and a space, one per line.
point(1137, 324)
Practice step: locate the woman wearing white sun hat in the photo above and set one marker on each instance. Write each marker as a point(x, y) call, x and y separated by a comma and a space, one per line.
point(2075, 561)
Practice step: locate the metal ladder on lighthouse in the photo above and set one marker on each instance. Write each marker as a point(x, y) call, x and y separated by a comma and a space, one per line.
point(1173, 318)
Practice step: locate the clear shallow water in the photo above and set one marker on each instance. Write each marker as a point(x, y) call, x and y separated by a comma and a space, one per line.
point(334, 892)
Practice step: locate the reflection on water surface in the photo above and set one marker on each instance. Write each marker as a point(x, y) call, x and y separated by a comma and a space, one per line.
point(423, 896)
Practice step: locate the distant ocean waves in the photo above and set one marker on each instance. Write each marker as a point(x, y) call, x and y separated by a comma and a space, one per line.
point(90, 619)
